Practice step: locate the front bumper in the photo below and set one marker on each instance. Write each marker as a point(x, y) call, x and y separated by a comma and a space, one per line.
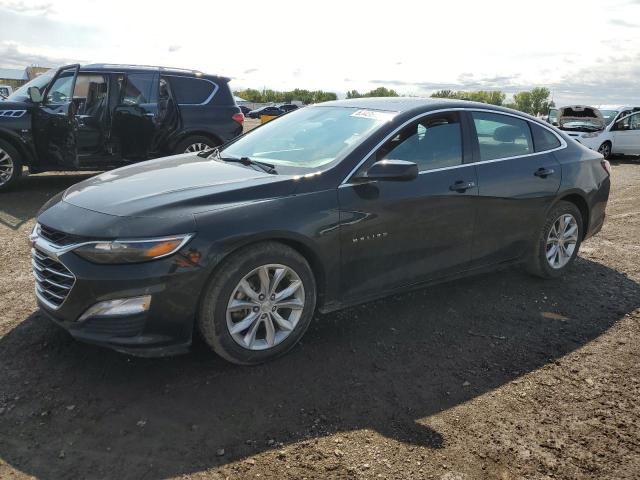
point(174, 284)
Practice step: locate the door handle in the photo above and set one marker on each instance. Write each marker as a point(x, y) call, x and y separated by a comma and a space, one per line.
point(149, 114)
point(461, 186)
point(544, 172)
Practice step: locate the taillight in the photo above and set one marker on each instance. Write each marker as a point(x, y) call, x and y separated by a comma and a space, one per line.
point(606, 165)
point(238, 117)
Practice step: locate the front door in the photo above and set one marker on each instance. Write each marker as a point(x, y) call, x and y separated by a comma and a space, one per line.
point(626, 135)
point(518, 178)
point(54, 121)
point(134, 118)
point(397, 233)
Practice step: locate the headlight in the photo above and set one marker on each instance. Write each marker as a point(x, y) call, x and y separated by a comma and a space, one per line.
point(132, 251)
point(591, 134)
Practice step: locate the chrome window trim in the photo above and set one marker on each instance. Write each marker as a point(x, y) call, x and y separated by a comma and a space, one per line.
point(563, 143)
point(216, 87)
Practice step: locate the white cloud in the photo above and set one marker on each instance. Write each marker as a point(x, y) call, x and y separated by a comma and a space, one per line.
point(581, 49)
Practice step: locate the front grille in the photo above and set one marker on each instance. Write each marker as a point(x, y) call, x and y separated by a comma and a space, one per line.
point(59, 238)
point(53, 279)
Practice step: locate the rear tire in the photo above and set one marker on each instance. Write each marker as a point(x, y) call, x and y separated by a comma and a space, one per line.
point(605, 149)
point(195, 144)
point(10, 165)
point(557, 244)
point(256, 326)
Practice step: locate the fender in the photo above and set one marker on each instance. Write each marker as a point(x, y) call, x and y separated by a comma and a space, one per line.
point(24, 147)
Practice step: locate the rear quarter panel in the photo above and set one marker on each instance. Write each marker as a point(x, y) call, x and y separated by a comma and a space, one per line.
point(584, 175)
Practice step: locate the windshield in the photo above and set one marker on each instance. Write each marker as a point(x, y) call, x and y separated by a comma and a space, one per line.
point(41, 81)
point(308, 138)
point(608, 115)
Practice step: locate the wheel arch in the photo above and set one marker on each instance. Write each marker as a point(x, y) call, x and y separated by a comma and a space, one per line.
point(296, 242)
point(13, 140)
point(180, 137)
point(579, 201)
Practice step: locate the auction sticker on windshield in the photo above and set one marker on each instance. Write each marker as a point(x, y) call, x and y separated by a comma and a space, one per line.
point(374, 115)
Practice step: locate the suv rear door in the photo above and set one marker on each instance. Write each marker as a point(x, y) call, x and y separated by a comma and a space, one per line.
point(133, 128)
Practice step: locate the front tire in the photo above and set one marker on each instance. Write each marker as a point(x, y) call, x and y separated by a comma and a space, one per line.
point(258, 304)
point(558, 242)
point(10, 165)
point(605, 149)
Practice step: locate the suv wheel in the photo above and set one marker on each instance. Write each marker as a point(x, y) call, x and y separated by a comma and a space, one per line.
point(10, 165)
point(605, 149)
point(558, 243)
point(194, 144)
point(258, 304)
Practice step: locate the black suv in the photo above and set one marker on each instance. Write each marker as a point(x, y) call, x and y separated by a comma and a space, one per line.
point(117, 114)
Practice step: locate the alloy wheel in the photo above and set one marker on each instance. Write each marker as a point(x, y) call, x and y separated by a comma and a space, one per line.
point(196, 147)
point(562, 240)
point(605, 149)
point(6, 167)
point(265, 307)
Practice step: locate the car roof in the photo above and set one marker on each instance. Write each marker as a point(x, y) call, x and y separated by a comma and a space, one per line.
point(416, 104)
point(116, 67)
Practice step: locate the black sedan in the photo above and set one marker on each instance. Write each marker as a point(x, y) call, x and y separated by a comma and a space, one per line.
point(271, 111)
point(325, 207)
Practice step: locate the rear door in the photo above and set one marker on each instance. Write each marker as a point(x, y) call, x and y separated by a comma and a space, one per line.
point(134, 117)
point(518, 178)
point(91, 96)
point(626, 135)
point(396, 233)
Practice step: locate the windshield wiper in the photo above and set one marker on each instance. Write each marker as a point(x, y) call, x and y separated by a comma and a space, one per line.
point(264, 166)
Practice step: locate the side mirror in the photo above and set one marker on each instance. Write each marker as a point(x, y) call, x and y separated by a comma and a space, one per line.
point(397, 170)
point(34, 94)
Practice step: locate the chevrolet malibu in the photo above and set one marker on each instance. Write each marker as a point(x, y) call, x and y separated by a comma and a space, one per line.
point(326, 207)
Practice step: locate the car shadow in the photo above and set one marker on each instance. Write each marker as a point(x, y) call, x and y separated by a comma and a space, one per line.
point(77, 411)
point(24, 199)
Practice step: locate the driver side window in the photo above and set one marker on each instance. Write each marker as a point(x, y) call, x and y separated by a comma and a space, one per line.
point(432, 142)
point(60, 91)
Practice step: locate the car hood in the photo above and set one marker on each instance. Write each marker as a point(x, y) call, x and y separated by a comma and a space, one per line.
point(175, 186)
point(580, 114)
point(11, 105)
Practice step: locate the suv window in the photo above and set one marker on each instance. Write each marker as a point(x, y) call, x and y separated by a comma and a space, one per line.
point(501, 136)
point(192, 91)
point(138, 89)
point(90, 93)
point(543, 139)
point(60, 91)
point(433, 142)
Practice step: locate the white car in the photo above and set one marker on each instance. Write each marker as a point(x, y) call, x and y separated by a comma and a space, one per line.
point(621, 134)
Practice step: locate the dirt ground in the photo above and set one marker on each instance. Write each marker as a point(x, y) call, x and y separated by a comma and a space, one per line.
point(500, 376)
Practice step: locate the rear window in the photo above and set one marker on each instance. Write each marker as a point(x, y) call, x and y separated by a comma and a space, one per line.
point(501, 136)
point(543, 139)
point(192, 91)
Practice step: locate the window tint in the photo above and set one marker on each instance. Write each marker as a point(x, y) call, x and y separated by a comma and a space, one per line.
point(90, 93)
point(60, 91)
point(434, 142)
point(543, 139)
point(501, 136)
point(191, 91)
point(632, 122)
point(138, 89)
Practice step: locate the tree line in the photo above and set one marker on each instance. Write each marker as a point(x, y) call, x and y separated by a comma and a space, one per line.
point(535, 101)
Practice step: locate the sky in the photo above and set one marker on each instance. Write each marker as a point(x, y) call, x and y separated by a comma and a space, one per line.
point(584, 51)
